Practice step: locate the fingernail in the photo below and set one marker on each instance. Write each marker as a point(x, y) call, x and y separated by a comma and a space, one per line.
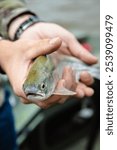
point(54, 40)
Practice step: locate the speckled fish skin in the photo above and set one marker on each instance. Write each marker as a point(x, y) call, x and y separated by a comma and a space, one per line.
point(41, 80)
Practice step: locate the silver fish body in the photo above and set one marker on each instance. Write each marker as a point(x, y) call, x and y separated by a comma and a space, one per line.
point(43, 83)
point(78, 66)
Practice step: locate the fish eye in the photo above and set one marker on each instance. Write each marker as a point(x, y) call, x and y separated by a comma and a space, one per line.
point(42, 86)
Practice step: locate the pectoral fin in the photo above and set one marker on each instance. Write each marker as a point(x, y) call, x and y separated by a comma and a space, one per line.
point(64, 91)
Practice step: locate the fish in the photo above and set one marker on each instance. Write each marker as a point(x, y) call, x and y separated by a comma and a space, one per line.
point(43, 76)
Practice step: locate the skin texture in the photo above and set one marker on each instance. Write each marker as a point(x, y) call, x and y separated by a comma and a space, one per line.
point(69, 46)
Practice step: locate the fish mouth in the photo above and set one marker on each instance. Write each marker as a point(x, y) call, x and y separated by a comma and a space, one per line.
point(35, 95)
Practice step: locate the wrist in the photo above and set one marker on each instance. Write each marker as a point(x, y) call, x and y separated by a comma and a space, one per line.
point(15, 25)
point(19, 25)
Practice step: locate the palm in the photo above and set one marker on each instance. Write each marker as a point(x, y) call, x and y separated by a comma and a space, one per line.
point(70, 45)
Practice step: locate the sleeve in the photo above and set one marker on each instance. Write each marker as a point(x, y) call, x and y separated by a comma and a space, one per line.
point(9, 10)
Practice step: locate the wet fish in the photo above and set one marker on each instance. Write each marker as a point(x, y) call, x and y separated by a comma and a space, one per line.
point(43, 76)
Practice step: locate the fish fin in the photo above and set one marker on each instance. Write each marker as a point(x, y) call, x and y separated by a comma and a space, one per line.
point(63, 91)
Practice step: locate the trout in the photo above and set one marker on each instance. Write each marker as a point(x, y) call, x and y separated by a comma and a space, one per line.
point(43, 76)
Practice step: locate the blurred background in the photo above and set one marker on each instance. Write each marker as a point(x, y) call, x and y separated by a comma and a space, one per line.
point(75, 124)
point(78, 16)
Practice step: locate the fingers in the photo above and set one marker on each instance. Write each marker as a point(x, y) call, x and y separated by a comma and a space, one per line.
point(82, 90)
point(64, 49)
point(43, 47)
point(80, 52)
point(69, 77)
point(63, 99)
point(49, 102)
point(82, 87)
point(25, 101)
point(43, 104)
point(86, 78)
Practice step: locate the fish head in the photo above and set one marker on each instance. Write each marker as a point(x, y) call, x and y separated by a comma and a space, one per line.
point(41, 88)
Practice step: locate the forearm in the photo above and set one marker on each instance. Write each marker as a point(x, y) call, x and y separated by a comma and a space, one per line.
point(5, 48)
point(1, 51)
point(9, 10)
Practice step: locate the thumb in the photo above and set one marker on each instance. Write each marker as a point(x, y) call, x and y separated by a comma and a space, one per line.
point(43, 47)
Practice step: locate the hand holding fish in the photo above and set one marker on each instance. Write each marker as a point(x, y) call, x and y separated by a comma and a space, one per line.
point(17, 57)
point(70, 46)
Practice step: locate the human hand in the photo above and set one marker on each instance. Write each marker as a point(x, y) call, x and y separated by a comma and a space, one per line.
point(70, 45)
point(43, 30)
point(17, 57)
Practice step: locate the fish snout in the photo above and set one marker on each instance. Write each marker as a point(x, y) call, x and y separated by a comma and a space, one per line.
point(30, 90)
